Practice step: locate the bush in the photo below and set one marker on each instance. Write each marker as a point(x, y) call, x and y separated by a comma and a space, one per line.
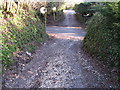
point(103, 37)
point(83, 12)
point(18, 32)
point(82, 19)
point(83, 9)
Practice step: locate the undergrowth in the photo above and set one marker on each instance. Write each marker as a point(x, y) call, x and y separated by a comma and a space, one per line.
point(82, 19)
point(101, 40)
point(18, 32)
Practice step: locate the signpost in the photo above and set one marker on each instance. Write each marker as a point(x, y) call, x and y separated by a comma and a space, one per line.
point(43, 10)
point(54, 10)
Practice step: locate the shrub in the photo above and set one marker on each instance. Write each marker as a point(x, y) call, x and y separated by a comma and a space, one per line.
point(103, 37)
point(18, 31)
point(83, 12)
point(83, 9)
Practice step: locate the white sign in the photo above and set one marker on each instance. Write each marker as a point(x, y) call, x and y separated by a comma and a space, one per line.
point(43, 10)
point(54, 8)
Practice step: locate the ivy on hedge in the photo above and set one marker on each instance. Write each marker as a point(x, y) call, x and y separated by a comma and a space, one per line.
point(25, 27)
point(103, 37)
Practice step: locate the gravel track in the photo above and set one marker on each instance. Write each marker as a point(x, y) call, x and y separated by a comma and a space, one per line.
point(61, 62)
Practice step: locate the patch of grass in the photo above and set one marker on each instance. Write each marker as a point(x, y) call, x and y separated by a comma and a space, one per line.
point(31, 48)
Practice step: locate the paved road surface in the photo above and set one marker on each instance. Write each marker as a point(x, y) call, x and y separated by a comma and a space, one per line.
point(60, 62)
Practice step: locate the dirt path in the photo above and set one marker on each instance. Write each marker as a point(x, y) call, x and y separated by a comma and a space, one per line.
point(60, 62)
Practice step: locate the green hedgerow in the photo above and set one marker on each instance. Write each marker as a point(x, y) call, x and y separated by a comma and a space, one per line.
point(18, 31)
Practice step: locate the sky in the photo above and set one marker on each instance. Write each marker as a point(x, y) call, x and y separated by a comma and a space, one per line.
point(74, 1)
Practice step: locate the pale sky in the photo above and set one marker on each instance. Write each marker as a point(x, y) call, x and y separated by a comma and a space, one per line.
point(74, 1)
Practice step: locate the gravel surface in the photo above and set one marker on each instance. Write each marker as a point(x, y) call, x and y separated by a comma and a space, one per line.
point(61, 62)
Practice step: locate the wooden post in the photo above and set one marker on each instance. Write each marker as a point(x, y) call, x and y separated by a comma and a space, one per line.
point(54, 15)
point(45, 16)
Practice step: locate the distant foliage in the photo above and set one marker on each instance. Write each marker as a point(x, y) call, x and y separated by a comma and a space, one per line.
point(57, 15)
point(59, 8)
point(83, 9)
